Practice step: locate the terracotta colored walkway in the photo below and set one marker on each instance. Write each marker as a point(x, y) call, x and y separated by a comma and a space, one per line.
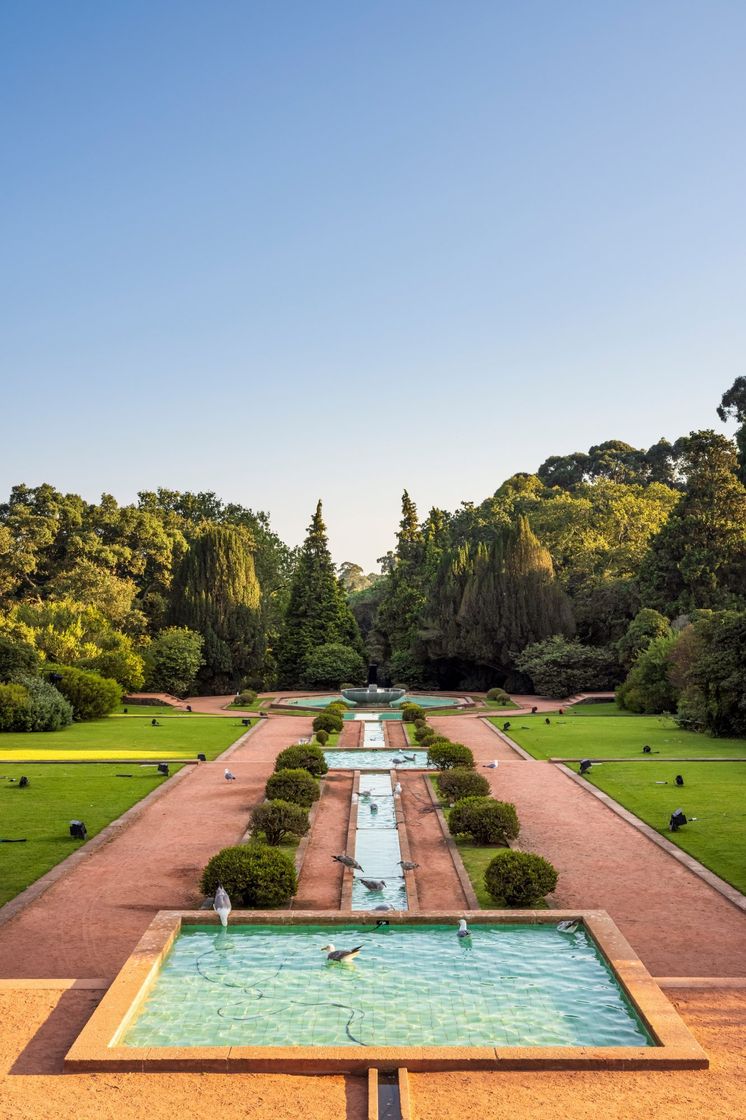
point(87, 923)
point(320, 885)
point(395, 735)
point(677, 924)
point(438, 886)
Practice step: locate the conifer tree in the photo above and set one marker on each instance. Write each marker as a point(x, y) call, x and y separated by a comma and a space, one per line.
point(216, 593)
point(318, 612)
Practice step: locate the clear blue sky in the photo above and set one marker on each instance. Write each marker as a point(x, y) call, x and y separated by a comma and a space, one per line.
point(290, 250)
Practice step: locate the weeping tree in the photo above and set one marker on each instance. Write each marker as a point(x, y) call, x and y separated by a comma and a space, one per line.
point(216, 593)
point(318, 613)
point(492, 597)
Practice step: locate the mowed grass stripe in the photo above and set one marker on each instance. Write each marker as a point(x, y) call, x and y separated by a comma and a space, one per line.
point(122, 737)
point(713, 792)
point(614, 736)
point(42, 812)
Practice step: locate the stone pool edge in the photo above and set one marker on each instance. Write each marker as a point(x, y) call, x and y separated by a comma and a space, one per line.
point(96, 1046)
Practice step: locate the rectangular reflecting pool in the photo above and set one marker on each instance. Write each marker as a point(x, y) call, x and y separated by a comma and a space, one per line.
point(377, 760)
point(518, 993)
point(505, 985)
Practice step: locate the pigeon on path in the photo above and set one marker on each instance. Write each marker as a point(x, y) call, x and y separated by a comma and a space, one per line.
point(229, 775)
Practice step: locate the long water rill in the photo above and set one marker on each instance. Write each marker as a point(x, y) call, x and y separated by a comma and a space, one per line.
point(377, 847)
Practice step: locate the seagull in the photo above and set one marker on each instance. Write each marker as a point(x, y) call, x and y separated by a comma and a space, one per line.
point(365, 793)
point(333, 954)
point(348, 861)
point(491, 765)
point(222, 905)
point(397, 789)
point(407, 865)
point(385, 908)
point(373, 807)
point(463, 929)
point(567, 927)
point(229, 775)
point(398, 761)
point(410, 757)
point(373, 884)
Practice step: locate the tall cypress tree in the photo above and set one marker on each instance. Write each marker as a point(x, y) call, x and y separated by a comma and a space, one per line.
point(318, 612)
point(399, 616)
point(216, 593)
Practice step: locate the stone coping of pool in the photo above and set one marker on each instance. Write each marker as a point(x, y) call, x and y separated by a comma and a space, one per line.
point(98, 1045)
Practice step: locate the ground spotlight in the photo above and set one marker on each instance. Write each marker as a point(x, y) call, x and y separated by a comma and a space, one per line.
point(78, 830)
point(677, 820)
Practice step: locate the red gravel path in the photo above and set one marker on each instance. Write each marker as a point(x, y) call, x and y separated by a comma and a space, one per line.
point(438, 886)
point(395, 735)
point(320, 885)
point(677, 923)
point(88, 922)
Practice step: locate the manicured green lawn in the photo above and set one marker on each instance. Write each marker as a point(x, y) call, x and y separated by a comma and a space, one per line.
point(500, 707)
point(714, 792)
point(144, 711)
point(614, 736)
point(475, 859)
point(126, 737)
point(42, 813)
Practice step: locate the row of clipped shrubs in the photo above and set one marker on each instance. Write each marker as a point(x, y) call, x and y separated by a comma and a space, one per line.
point(257, 875)
point(512, 878)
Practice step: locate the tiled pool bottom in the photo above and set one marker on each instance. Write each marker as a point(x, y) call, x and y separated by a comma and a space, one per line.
point(411, 985)
point(376, 760)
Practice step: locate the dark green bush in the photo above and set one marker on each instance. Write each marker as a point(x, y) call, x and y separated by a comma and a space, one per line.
point(499, 695)
point(336, 706)
point(519, 878)
point(328, 721)
point(14, 707)
point(256, 876)
point(456, 784)
point(246, 698)
point(450, 756)
point(486, 820)
point(303, 756)
point(91, 696)
point(278, 819)
point(322, 737)
point(420, 722)
point(411, 712)
point(424, 734)
point(17, 656)
point(297, 786)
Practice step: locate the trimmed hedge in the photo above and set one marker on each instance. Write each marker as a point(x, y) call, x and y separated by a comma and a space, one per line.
point(457, 784)
point(297, 786)
point(519, 878)
point(91, 695)
point(322, 737)
point(424, 734)
point(486, 820)
point(247, 697)
point(411, 712)
point(278, 819)
point(499, 695)
point(450, 756)
point(256, 876)
point(303, 756)
point(328, 721)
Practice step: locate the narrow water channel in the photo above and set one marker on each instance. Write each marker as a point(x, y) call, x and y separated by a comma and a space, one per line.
point(377, 840)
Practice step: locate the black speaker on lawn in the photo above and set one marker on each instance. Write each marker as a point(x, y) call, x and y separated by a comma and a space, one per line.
point(677, 820)
point(201, 758)
point(163, 768)
point(585, 765)
point(78, 830)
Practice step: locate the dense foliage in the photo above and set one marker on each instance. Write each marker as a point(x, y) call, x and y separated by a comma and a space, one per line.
point(519, 878)
point(302, 756)
point(297, 786)
point(256, 876)
point(455, 784)
point(278, 820)
point(486, 820)
point(91, 695)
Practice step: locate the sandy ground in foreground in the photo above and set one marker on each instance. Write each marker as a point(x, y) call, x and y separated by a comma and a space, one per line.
point(39, 1026)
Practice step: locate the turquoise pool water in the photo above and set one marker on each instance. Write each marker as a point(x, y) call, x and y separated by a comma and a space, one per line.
point(506, 985)
point(375, 760)
point(393, 713)
point(377, 846)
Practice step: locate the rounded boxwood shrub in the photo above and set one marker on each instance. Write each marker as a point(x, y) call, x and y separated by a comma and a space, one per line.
point(457, 784)
point(322, 737)
point(303, 756)
point(519, 878)
point(499, 695)
point(297, 786)
point(486, 820)
point(247, 698)
point(420, 722)
point(328, 721)
point(450, 756)
point(411, 712)
point(91, 696)
point(424, 734)
point(256, 876)
point(278, 819)
point(336, 706)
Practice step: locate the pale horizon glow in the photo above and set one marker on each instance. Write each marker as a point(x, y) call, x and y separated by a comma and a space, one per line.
point(288, 252)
